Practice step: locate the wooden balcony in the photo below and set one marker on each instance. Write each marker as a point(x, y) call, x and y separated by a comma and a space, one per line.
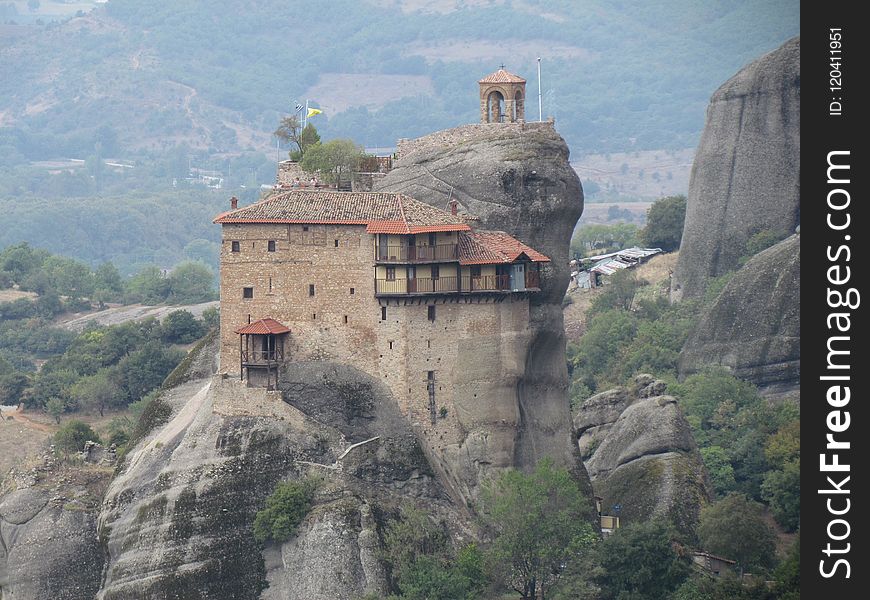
point(442, 285)
point(262, 358)
point(417, 254)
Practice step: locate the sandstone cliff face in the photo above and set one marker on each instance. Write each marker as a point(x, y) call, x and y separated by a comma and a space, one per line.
point(746, 173)
point(518, 181)
point(48, 545)
point(178, 521)
point(640, 454)
point(753, 327)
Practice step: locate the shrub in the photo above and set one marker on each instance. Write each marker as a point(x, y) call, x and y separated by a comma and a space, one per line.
point(71, 437)
point(285, 509)
point(664, 223)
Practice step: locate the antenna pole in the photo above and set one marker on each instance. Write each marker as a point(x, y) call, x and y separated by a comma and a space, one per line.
point(540, 101)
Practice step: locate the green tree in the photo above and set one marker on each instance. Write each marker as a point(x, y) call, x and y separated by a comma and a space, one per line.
point(291, 132)
point(640, 562)
point(285, 509)
point(334, 159)
point(788, 574)
point(781, 489)
point(69, 277)
point(12, 386)
point(108, 285)
point(20, 260)
point(191, 282)
point(50, 384)
point(144, 370)
point(55, 407)
point(734, 527)
point(703, 587)
point(181, 327)
point(718, 465)
point(71, 437)
point(418, 552)
point(539, 523)
point(96, 392)
point(664, 223)
point(211, 317)
point(148, 286)
point(597, 239)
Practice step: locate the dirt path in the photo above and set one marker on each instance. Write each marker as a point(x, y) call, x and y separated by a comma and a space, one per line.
point(19, 417)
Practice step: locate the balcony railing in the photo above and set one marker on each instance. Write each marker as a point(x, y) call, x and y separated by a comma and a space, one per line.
point(405, 253)
point(420, 285)
point(486, 283)
point(262, 357)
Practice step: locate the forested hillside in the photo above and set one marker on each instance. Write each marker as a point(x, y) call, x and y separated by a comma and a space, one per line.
point(138, 105)
point(217, 74)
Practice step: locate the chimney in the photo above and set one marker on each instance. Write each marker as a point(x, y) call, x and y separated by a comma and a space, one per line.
point(454, 207)
point(234, 203)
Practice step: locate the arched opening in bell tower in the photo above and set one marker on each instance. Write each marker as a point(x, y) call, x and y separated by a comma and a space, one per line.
point(495, 107)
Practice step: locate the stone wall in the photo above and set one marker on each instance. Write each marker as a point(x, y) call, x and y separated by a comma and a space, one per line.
point(288, 170)
point(466, 133)
point(475, 347)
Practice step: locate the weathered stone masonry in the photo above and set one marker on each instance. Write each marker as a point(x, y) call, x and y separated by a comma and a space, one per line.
point(443, 356)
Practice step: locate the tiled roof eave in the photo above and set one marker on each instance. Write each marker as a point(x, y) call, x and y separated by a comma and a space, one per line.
point(238, 221)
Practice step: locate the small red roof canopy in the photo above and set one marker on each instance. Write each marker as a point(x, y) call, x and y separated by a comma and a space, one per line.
point(265, 326)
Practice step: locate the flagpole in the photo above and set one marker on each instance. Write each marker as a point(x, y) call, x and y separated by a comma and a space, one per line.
point(540, 102)
point(305, 118)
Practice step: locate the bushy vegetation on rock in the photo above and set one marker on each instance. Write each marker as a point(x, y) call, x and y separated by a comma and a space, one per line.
point(285, 509)
point(71, 437)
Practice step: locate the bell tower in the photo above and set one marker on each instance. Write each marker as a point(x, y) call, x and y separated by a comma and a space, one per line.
point(502, 97)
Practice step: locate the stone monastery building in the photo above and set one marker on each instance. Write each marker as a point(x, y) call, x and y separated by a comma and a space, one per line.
point(404, 291)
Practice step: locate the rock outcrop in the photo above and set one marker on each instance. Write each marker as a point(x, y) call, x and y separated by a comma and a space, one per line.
point(746, 174)
point(48, 542)
point(517, 180)
point(640, 454)
point(753, 327)
point(178, 520)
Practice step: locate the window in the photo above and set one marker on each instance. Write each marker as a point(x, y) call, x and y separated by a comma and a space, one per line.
point(430, 313)
point(305, 228)
point(352, 291)
point(391, 345)
point(247, 292)
point(270, 285)
point(271, 246)
point(310, 289)
point(383, 313)
point(432, 239)
point(336, 243)
point(313, 316)
point(391, 273)
point(235, 247)
point(475, 271)
point(435, 272)
point(345, 319)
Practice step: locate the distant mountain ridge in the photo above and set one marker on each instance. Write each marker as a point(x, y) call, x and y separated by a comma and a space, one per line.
point(139, 76)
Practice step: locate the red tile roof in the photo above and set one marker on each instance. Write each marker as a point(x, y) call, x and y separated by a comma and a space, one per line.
point(380, 212)
point(494, 247)
point(264, 327)
point(502, 76)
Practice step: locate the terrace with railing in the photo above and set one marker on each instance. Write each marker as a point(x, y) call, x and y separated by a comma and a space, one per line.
point(452, 284)
point(408, 253)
